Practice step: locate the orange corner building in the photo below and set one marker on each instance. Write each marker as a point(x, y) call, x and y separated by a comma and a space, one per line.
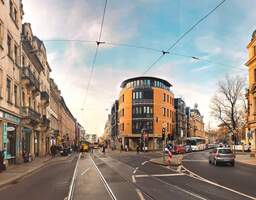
point(146, 105)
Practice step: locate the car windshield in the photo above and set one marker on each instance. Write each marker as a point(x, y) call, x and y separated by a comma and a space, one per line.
point(94, 93)
point(225, 151)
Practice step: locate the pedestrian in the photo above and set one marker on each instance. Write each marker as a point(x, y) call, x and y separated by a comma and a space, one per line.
point(122, 148)
point(138, 149)
point(169, 157)
point(53, 150)
point(2, 165)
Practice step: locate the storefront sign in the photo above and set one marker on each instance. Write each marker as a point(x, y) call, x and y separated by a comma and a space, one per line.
point(11, 118)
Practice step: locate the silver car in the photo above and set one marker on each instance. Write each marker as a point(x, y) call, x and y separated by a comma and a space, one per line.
point(222, 155)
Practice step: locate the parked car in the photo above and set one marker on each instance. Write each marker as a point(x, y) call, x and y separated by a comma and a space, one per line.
point(242, 147)
point(222, 155)
point(178, 149)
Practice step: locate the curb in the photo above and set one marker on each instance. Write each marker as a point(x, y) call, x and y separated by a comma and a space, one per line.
point(30, 171)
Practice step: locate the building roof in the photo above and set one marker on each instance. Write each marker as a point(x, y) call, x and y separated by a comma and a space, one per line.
point(254, 35)
point(145, 77)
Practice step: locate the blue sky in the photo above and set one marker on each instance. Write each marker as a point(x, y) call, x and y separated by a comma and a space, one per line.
point(221, 38)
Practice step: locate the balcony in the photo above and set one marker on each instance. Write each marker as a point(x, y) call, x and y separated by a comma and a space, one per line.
point(29, 79)
point(30, 116)
point(45, 122)
point(142, 101)
point(45, 98)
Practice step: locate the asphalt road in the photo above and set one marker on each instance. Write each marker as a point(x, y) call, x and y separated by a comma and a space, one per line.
point(49, 183)
point(130, 176)
point(242, 177)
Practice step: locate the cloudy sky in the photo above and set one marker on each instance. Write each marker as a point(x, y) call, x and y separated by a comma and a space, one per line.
point(221, 38)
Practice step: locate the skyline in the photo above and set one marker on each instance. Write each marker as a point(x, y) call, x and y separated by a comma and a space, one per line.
point(186, 75)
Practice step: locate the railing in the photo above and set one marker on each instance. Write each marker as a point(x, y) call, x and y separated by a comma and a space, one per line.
point(142, 101)
point(27, 74)
point(45, 121)
point(29, 113)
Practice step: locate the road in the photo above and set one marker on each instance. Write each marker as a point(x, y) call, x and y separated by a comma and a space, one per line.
point(130, 176)
point(49, 183)
point(242, 177)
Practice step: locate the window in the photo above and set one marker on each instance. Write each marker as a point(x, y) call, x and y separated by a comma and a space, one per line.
point(23, 61)
point(168, 98)
point(23, 98)
point(15, 95)
point(123, 98)
point(29, 102)
point(11, 8)
point(122, 126)
point(164, 97)
point(9, 46)
point(167, 112)
point(15, 15)
point(8, 90)
point(122, 112)
point(1, 82)
point(16, 54)
point(133, 95)
point(1, 33)
point(254, 74)
point(164, 111)
point(254, 50)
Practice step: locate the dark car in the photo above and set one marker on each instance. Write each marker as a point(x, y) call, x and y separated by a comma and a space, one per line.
point(178, 149)
point(222, 155)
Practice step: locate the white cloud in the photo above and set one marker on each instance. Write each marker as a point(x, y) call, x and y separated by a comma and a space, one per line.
point(203, 68)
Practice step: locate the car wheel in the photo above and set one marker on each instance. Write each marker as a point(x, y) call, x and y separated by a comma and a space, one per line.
point(210, 162)
point(232, 163)
point(215, 162)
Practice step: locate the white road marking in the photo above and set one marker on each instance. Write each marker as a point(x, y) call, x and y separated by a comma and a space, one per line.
point(133, 179)
point(179, 169)
point(135, 170)
point(193, 175)
point(71, 187)
point(157, 175)
point(85, 171)
point(140, 194)
point(144, 163)
point(104, 181)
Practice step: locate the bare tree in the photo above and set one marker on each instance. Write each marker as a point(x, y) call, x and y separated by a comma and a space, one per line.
point(228, 104)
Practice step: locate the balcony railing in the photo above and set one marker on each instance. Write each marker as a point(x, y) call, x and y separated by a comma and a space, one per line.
point(142, 101)
point(30, 114)
point(28, 75)
point(45, 121)
point(45, 97)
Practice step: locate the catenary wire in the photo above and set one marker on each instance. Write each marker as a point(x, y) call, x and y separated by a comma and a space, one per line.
point(184, 34)
point(96, 53)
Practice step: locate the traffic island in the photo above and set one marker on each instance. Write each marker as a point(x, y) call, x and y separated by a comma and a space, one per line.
point(175, 161)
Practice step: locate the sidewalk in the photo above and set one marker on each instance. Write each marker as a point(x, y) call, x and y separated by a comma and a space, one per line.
point(18, 171)
point(246, 159)
point(176, 160)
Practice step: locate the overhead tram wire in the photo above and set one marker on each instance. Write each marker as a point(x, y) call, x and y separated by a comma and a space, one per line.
point(184, 34)
point(96, 53)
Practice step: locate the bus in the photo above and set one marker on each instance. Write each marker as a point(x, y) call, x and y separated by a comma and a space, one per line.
point(196, 143)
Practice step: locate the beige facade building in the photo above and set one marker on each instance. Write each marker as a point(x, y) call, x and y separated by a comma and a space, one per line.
point(32, 111)
point(35, 88)
point(11, 14)
point(251, 95)
point(196, 123)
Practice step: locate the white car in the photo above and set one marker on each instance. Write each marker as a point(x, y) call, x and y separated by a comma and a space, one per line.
point(242, 147)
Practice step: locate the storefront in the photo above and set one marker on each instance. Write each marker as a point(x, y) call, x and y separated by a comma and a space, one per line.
point(10, 137)
point(26, 140)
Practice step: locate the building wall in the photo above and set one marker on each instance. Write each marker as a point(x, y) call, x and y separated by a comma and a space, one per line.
point(10, 27)
point(251, 63)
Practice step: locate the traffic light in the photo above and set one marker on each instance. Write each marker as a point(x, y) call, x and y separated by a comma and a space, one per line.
point(163, 134)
